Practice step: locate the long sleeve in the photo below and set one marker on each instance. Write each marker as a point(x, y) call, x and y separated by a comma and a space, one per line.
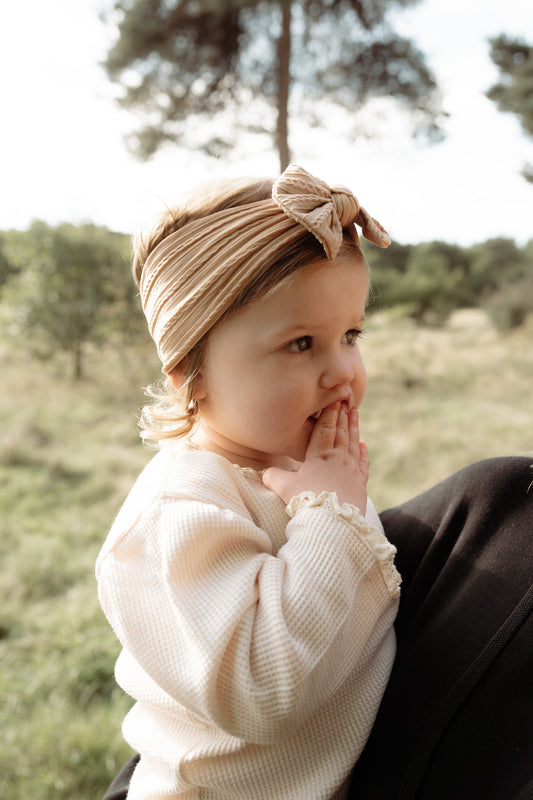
point(241, 617)
point(253, 642)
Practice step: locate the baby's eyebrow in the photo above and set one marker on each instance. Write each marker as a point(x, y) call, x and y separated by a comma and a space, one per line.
point(294, 330)
point(305, 327)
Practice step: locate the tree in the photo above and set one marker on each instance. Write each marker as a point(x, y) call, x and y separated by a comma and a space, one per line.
point(185, 63)
point(6, 268)
point(514, 91)
point(68, 286)
point(501, 281)
point(386, 270)
point(426, 281)
point(435, 281)
point(493, 264)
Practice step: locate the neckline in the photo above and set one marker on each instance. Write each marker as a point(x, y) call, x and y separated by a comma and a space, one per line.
point(251, 472)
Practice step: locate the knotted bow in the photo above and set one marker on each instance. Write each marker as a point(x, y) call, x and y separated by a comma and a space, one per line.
point(323, 210)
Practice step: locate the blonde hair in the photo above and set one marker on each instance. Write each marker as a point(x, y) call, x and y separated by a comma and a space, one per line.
point(193, 245)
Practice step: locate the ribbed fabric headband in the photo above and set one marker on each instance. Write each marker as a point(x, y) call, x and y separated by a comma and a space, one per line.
point(195, 274)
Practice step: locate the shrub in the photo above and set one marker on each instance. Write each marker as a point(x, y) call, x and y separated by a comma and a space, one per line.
point(511, 305)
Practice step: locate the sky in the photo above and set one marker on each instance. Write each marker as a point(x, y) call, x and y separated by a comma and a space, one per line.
point(63, 156)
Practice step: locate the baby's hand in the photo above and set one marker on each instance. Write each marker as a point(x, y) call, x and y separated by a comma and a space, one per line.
point(335, 461)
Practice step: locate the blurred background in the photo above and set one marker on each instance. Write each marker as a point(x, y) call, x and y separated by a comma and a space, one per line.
point(109, 111)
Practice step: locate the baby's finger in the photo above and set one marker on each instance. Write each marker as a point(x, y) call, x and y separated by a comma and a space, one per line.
point(353, 433)
point(342, 432)
point(325, 430)
point(364, 461)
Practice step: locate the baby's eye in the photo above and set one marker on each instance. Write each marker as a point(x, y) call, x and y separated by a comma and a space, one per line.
point(299, 345)
point(351, 336)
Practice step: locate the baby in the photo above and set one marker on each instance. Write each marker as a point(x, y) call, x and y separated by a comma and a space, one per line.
point(247, 575)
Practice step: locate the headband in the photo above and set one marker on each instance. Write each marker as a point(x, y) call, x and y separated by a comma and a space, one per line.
point(192, 277)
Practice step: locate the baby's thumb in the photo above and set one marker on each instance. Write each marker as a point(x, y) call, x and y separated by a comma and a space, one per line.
point(274, 479)
point(271, 476)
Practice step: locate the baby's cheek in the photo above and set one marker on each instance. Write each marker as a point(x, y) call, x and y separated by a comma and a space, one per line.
point(360, 388)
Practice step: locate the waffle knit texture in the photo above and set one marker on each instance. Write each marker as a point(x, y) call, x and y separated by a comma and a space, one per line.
point(257, 638)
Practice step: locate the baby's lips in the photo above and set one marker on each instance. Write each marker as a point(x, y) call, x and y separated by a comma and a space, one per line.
point(343, 403)
point(334, 406)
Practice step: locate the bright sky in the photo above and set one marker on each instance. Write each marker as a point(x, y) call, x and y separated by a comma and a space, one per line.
point(63, 158)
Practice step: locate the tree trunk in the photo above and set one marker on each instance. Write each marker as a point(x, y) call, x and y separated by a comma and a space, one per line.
point(284, 59)
point(77, 372)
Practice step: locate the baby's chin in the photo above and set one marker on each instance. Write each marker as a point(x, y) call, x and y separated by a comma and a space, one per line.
point(296, 455)
point(290, 459)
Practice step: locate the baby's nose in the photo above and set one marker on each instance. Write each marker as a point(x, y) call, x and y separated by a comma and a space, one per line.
point(338, 372)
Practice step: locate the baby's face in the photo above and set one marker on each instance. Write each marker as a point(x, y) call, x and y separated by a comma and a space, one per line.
point(271, 368)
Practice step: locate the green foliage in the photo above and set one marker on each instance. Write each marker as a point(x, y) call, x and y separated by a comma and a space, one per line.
point(181, 65)
point(6, 267)
point(511, 305)
point(72, 286)
point(497, 262)
point(428, 281)
point(514, 91)
point(425, 282)
point(387, 268)
point(501, 281)
point(435, 279)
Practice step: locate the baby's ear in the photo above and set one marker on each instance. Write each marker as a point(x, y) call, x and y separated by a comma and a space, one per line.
point(178, 378)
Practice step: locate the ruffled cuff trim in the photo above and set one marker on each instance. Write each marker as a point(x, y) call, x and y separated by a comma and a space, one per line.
point(383, 550)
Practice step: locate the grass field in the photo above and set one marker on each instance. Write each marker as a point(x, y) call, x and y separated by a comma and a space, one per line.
point(437, 400)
